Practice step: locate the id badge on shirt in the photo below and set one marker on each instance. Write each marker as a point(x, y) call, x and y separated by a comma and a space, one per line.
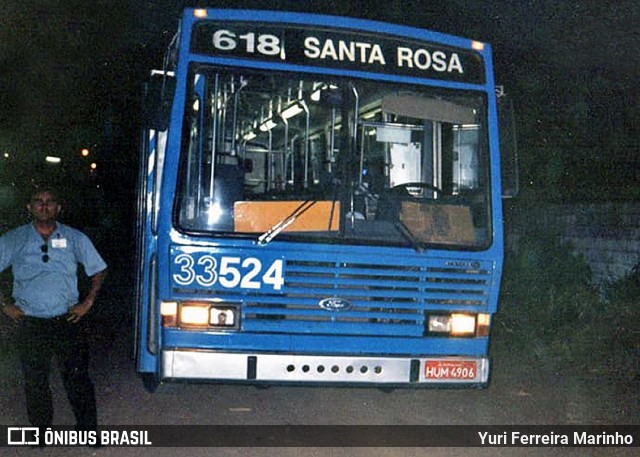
point(59, 243)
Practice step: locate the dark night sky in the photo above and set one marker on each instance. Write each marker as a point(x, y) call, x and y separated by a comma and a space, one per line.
point(71, 72)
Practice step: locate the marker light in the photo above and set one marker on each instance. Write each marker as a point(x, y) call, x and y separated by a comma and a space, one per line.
point(52, 159)
point(483, 325)
point(169, 313)
point(477, 45)
point(200, 13)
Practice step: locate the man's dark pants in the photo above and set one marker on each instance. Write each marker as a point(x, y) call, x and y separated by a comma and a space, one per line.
point(40, 341)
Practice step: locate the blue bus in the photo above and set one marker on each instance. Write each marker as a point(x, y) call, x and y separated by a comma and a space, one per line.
point(319, 202)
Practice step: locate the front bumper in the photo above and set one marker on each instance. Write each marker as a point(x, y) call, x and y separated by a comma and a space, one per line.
point(294, 368)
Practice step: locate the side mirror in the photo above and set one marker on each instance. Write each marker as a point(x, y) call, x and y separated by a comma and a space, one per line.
point(508, 144)
point(158, 99)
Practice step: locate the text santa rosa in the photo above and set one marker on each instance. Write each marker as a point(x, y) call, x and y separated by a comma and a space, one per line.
point(338, 49)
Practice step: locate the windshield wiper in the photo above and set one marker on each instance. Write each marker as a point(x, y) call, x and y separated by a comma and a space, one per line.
point(274, 231)
point(409, 236)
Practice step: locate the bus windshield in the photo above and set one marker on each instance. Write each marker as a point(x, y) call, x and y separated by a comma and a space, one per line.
point(323, 159)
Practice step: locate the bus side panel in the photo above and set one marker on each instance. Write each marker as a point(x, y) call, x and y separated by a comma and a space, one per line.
point(146, 319)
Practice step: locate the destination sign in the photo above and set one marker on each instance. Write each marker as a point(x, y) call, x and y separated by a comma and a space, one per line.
point(337, 49)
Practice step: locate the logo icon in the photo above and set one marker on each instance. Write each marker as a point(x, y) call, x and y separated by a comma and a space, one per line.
point(334, 304)
point(23, 436)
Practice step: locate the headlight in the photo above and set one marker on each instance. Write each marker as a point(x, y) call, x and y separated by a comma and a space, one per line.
point(463, 324)
point(194, 314)
point(199, 314)
point(459, 324)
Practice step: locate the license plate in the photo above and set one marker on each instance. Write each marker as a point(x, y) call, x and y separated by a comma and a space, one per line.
point(451, 369)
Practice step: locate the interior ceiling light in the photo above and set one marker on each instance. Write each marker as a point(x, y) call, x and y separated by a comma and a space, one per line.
point(292, 110)
point(267, 125)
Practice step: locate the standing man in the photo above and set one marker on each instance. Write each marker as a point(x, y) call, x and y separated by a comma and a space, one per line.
point(44, 256)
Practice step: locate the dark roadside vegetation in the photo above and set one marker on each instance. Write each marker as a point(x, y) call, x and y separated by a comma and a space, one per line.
point(555, 324)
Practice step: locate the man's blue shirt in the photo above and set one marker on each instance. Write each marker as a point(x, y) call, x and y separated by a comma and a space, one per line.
point(47, 288)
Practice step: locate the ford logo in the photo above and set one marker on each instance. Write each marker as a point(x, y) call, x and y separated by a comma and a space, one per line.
point(334, 304)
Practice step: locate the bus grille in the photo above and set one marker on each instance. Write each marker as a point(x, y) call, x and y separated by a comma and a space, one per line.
point(368, 298)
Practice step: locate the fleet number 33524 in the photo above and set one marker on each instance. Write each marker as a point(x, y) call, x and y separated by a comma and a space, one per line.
point(229, 272)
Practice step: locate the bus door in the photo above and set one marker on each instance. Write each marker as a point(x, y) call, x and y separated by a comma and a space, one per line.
point(157, 95)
